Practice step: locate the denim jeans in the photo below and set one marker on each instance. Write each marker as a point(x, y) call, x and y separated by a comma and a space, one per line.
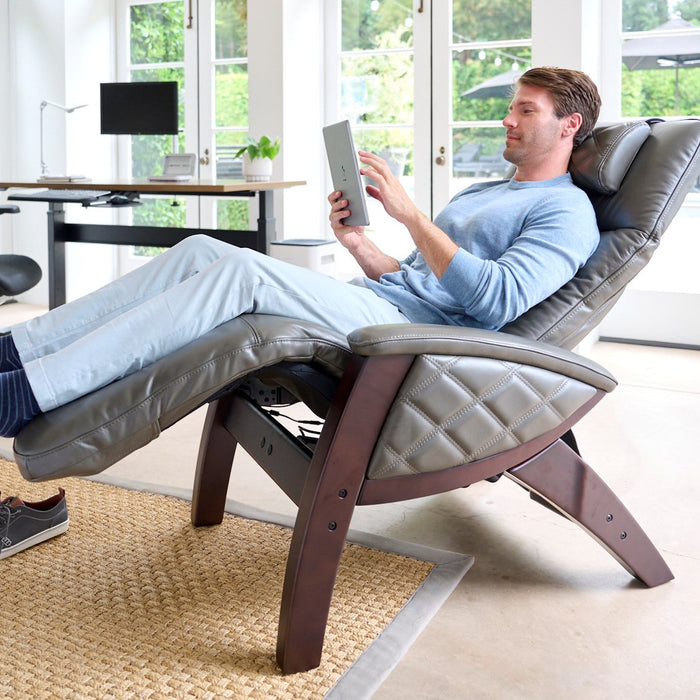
point(169, 302)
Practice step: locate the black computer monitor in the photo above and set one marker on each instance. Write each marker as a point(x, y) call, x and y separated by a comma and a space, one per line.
point(138, 108)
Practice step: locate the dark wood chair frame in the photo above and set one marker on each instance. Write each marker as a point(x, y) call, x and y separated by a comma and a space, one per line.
point(329, 482)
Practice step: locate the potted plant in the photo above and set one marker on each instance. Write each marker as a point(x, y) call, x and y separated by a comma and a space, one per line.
point(257, 158)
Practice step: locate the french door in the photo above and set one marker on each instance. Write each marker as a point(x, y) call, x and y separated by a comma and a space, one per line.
point(202, 44)
point(408, 79)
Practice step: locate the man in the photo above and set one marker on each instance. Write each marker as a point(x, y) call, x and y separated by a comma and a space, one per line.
point(493, 252)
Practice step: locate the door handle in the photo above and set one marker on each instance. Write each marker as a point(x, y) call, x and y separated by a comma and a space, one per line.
point(440, 160)
point(204, 160)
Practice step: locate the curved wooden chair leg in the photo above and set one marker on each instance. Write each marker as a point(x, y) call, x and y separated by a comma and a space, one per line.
point(331, 491)
point(561, 477)
point(214, 462)
point(312, 566)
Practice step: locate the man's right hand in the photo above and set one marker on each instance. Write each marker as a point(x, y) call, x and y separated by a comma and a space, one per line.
point(373, 262)
point(349, 236)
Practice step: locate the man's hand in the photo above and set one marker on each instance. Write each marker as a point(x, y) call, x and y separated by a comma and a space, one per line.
point(388, 190)
point(349, 236)
point(369, 257)
point(437, 248)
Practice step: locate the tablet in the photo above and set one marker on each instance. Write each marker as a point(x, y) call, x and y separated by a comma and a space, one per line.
point(345, 172)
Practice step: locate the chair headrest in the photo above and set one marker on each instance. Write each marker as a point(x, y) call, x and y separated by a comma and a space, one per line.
point(601, 162)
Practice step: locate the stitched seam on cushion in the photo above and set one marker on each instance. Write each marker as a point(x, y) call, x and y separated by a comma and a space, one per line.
point(542, 404)
point(545, 399)
point(436, 427)
point(439, 428)
point(486, 343)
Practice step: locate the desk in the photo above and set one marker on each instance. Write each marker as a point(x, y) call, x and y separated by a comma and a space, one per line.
point(60, 232)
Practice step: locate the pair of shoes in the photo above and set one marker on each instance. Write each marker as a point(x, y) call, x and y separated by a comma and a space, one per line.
point(22, 525)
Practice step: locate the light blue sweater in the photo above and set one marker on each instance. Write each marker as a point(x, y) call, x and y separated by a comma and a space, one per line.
point(519, 242)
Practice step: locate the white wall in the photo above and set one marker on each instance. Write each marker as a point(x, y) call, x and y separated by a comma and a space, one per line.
point(582, 35)
point(5, 220)
point(286, 99)
point(59, 51)
point(35, 41)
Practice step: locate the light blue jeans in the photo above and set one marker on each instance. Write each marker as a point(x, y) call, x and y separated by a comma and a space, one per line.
point(169, 302)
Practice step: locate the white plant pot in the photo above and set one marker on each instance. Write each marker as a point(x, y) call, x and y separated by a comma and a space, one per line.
point(257, 170)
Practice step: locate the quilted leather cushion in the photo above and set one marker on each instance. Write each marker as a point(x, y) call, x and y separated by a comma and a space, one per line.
point(455, 410)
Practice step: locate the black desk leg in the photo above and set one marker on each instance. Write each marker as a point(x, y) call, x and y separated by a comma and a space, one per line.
point(57, 255)
point(266, 221)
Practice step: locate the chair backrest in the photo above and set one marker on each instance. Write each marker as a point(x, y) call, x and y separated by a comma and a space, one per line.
point(636, 175)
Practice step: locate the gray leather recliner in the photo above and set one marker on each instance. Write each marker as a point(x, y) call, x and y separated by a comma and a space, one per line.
point(409, 410)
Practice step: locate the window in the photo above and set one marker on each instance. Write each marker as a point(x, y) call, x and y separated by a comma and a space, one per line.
point(375, 92)
point(660, 77)
point(229, 77)
point(660, 58)
point(156, 53)
point(207, 55)
point(491, 46)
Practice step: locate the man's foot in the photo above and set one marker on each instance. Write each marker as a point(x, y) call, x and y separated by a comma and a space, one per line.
point(22, 525)
point(17, 402)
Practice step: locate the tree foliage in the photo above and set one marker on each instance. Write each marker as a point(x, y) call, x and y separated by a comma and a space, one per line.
point(490, 20)
point(156, 34)
point(642, 15)
point(689, 10)
point(662, 92)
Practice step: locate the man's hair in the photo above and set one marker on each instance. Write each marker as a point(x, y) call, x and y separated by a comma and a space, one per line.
point(571, 91)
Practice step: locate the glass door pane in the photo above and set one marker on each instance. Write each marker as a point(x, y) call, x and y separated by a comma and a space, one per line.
point(223, 105)
point(207, 55)
point(484, 47)
point(377, 86)
point(156, 52)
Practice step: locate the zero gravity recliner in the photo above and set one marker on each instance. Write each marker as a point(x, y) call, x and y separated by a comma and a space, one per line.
point(409, 410)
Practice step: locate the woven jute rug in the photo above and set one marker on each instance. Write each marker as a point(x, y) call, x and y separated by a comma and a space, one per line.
point(133, 601)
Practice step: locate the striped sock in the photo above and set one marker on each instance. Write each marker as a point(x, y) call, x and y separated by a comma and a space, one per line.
point(9, 357)
point(17, 403)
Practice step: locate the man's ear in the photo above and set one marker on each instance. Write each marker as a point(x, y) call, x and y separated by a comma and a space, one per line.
point(571, 124)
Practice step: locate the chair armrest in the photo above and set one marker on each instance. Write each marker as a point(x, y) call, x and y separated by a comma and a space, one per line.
point(427, 339)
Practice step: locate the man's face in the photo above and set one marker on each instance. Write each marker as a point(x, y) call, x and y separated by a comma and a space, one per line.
point(533, 131)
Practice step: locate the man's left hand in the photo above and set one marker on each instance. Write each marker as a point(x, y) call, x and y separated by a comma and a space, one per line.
point(387, 188)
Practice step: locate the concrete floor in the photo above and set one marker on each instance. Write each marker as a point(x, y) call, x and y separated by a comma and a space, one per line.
point(545, 612)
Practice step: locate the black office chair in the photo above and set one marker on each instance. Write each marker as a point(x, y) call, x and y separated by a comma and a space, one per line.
point(18, 273)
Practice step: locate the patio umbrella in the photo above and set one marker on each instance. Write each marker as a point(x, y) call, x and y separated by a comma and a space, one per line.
point(500, 85)
point(651, 53)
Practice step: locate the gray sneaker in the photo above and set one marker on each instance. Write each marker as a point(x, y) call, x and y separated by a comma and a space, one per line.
point(22, 525)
